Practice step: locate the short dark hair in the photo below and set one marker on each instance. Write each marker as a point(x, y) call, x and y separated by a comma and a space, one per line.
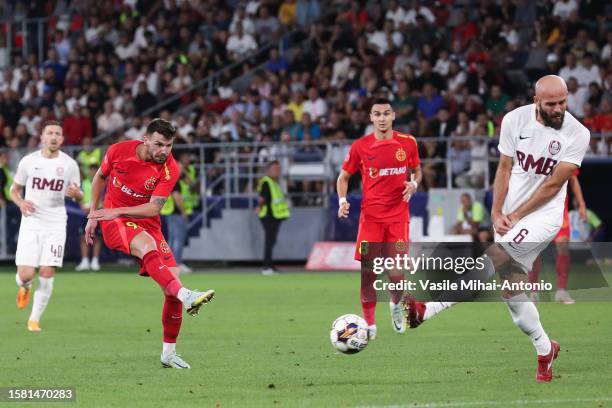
point(272, 163)
point(381, 101)
point(50, 123)
point(161, 126)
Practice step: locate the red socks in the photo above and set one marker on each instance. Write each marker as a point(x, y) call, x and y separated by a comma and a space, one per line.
point(534, 274)
point(172, 317)
point(368, 295)
point(562, 266)
point(161, 274)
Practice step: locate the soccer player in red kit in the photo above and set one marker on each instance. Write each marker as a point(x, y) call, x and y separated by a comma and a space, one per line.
point(141, 176)
point(385, 159)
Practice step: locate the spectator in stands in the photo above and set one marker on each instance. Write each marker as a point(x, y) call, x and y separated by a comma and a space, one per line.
point(240, 44)
point(266, 26)
point(287, 13)
point(307, 127)
point(144, 98)
point(276, 63)
point(137, 130)
point(109, 120)
point(430, 102)
point(496, 102)
point(404, 106)
point(571, 68)
point(77, 126)
point(296, 104)
point(576, 98)
point(315, 105)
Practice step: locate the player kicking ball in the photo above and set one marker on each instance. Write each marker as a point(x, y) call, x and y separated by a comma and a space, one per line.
point(141, 175)
point(50, 175)
point(541, 146)
point(385, 159)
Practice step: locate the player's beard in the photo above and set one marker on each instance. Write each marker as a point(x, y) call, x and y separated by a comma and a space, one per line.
point(554, 121)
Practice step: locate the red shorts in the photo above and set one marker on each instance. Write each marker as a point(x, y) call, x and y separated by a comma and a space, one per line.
point(564, 232)
point(395, 233)
point(118, 234)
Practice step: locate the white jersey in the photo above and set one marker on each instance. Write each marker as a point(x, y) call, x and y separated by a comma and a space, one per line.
point(46, 182)
point(536, 150)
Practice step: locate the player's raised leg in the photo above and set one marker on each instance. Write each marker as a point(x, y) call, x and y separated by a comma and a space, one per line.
point(143, 246)
point(42, 295)
point(24, 278)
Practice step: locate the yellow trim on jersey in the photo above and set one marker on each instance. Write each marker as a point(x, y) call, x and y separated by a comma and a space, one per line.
point(406, 136)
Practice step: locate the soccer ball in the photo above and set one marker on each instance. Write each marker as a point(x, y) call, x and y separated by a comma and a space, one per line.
point(349, 334)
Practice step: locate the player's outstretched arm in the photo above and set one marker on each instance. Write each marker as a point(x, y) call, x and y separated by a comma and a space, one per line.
point(26, 206)
point(97, 185)
point(500, 221)
point(546, 191)
point(342, 188)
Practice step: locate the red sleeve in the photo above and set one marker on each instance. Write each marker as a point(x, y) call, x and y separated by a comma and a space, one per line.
point(414, 161)
point(107, 162)
point(170, 175)
point(352, 159)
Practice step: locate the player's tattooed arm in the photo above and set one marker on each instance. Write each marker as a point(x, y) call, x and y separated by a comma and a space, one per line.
point(159, 201)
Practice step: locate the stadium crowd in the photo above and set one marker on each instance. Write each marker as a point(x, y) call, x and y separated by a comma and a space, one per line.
point(451, 68)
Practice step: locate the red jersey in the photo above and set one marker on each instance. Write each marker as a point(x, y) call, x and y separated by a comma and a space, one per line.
point(384, 166)
point(132, 181)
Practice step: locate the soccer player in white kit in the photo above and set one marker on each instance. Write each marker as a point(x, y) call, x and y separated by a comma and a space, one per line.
point(541, 146)
point(48, 175)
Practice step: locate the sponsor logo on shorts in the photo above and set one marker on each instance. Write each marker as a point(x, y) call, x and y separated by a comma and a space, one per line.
point(390, 171)
point(364, 247)
point(400, 245)
point(163, 246)
point(554, 147)
point(400, 154)
point(150, 183)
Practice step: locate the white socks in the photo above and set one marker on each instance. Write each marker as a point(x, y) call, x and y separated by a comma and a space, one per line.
point(168, 349)
point(525, 315)
point(21, 283)
point(183, 294)
point(433, 308)
point(41, 297)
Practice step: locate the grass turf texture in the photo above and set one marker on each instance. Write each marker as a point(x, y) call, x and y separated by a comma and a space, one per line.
point(265, 342)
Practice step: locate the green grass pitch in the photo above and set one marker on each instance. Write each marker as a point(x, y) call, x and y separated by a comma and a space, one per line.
point(264, 342)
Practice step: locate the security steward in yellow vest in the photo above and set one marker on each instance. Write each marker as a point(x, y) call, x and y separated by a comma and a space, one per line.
point(6, 179)
point(273, 208)
point(177, 210)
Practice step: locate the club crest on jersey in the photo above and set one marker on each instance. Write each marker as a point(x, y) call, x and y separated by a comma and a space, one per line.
point(150, 183)
point(59, 171)
point(554, 147)
point(400, 154)
point(163, 246)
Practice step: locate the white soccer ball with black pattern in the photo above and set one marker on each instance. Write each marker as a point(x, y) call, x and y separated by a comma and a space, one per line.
point(349, 334)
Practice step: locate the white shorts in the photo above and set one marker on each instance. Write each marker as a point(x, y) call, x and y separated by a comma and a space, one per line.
point(529, 237)
point(40, 248)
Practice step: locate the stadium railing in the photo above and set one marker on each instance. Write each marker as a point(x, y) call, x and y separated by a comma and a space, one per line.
point(22, 37)
point(230, 180)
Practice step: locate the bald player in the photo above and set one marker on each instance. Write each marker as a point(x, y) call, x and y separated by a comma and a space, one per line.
point(541, 146)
